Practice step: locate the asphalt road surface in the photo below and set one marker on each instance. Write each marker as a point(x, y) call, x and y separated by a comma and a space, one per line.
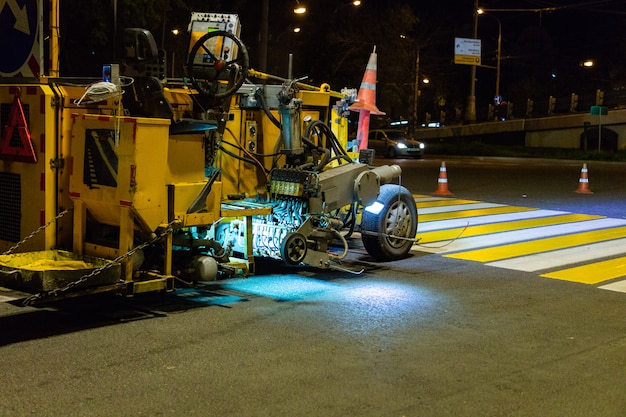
point(423, 336)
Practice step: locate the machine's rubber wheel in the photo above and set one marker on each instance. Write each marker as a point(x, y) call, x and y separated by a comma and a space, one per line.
point(388, 234)
point(293, 248)
point(391, 153)
point(206, 77)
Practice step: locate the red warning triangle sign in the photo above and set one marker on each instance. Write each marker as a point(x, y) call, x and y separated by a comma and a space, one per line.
point(18, 148)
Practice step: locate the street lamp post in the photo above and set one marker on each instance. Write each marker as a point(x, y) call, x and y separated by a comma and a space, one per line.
point(175, 33)
point(470, 114)
point(417, 89)
point(498, 51)
point(498, 56)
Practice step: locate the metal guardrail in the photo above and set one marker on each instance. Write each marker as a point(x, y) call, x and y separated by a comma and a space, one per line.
point(548, 106)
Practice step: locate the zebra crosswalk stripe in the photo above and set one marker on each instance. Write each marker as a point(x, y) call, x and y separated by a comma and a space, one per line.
point(559, 245)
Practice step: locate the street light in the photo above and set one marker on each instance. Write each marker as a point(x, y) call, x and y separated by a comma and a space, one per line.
point(300, 8)
point(499, 49)
point(588, 63)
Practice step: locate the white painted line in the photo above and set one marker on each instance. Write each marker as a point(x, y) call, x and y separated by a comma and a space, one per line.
point(619, 286)
point(494, 218)
point(425, 199)
point(495, 239)
point(458, 207)
point(562, 257)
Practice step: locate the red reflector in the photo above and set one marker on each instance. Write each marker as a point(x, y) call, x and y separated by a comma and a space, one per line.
point(133, 175)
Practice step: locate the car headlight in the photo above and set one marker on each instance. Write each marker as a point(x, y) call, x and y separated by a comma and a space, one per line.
point(401, 146)
point(422, 146)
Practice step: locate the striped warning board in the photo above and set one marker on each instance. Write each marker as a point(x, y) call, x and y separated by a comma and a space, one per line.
point(559, 245)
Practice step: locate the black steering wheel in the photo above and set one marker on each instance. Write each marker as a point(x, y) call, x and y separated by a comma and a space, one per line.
point(211, 68)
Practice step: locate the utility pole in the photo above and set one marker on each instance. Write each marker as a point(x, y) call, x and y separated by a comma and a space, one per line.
point(265, 9)
point(470, 113)
point(499, 56)
point(54, 38)
point(417, 90)
point(499, 50)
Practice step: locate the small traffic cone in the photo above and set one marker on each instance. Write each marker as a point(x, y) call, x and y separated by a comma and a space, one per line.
point(366, 98)
point(442, 182)
point(583, 182)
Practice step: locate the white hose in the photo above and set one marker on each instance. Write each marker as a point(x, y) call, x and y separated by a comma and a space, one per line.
point(100, 91)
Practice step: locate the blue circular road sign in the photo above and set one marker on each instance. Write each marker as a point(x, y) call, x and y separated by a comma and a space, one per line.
point(18, 33)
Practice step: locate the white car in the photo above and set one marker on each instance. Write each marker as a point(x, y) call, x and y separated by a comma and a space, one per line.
point(394, 144)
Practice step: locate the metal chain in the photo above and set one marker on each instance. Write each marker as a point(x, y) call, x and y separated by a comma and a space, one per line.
point(169, 229)
point(33, 234)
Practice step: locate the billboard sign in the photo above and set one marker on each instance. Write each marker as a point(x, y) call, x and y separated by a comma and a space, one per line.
point(467, 51)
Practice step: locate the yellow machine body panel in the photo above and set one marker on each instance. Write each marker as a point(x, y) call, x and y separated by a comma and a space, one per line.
point(270, 134)
point(314, 98)
point(25, 181)
point(240, 174)
point(134, 169)
point(68, 106)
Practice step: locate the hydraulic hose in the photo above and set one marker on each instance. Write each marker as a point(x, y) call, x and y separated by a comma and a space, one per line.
point(258, 94)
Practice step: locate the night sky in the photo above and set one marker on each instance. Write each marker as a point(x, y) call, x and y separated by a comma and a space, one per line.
point(541, 39)
point(543, 44)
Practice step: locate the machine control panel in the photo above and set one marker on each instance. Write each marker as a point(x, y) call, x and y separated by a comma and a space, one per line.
point(202, 22)
point(223, 48)
point(292, 182)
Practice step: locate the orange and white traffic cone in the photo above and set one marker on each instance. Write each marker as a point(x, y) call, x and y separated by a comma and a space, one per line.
point(442, 182)
point(366, 98)
point(583, 182)
point(366, 101)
